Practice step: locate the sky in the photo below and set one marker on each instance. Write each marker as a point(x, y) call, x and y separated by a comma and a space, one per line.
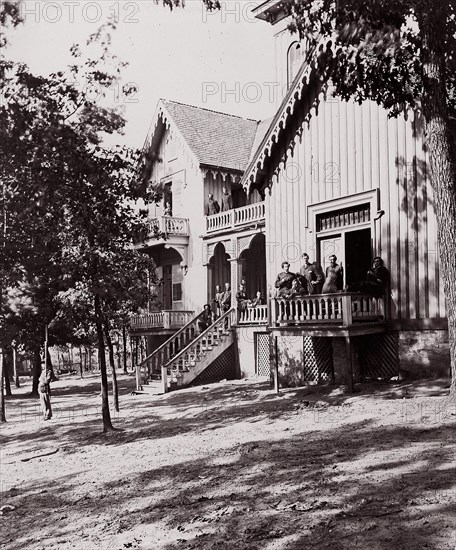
point(222, 61)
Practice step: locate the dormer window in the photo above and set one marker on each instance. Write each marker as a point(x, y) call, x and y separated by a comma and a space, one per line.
point(296, 54)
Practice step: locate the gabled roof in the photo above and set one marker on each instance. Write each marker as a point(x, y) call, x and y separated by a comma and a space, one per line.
point(215, 139)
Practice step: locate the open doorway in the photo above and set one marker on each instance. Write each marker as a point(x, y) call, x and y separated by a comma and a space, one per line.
point(353, 250)
point(358, 255)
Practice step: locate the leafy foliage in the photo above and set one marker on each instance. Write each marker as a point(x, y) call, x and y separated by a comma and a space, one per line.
point(69, 221)
point(374, 50)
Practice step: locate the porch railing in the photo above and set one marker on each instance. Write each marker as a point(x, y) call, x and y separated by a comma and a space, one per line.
point(169, 226)
point(161, 319)
point(341, 308)
point(257, 315)
point(237, 217)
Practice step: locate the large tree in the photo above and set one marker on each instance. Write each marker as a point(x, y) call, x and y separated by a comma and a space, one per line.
point(67, 201)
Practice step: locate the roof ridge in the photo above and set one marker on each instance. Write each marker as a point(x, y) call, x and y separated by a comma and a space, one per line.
point(209, 110)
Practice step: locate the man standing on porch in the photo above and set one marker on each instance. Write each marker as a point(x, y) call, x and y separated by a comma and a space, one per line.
point(227, 200)
point(284, 280)
point(226, 298)
point(334, 281)
point(218, 301)
point(212, 206)
point(311, 276)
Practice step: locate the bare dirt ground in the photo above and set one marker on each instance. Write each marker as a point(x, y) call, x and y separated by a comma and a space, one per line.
point(231, 466)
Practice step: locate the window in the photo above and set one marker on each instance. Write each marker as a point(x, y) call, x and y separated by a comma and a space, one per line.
point(296, 54)
point(342, 217)
point(177, 292)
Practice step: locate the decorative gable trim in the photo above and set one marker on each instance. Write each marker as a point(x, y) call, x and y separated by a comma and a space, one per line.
point(287, 109)
point(163, 118)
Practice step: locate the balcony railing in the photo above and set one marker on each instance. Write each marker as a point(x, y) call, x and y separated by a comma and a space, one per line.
point(161, 319)
point(338, 309)
point(169, 226)
point(257, 315)
point(238, 217)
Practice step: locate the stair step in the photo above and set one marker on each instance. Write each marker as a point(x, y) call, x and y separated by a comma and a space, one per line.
point(155, 388)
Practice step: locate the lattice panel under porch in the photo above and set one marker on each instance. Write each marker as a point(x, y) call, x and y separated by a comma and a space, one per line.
point(222, 367)
point(262, 354)
point(318, 363)
point(378, 356)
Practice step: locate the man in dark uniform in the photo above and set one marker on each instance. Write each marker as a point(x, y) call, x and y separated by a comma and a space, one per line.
point(212, 205)
point(284, 280)
point(311, 276)
point(227, 200)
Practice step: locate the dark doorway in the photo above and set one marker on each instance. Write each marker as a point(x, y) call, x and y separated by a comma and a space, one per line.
point(168, 195)
point(254, 266)
point(239, 197)
point(358, 255)
point(221, 271)
point(167, 286)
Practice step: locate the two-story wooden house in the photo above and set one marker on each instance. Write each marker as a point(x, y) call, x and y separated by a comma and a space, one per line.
point(343, 178)
point(324, 176)
point(195, 153)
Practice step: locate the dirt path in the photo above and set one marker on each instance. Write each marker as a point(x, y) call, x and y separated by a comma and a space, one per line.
point(231, 466)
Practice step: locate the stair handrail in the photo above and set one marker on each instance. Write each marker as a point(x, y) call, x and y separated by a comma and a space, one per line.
point(230, 314)
point(160, 348)
point(200, 336)
point(176, 334)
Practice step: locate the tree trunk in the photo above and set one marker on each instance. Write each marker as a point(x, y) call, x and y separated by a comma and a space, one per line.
point(15, 373)
point(439, 142)
point(124, 342)
point(107, 424)
point(50, 367)
point(2, 393)
point(115, 389)
point(81, 370)
point(7, 372)
point(36, 371)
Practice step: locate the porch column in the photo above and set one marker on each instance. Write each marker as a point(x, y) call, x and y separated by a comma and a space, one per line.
point(236, 275)
point(210, 283)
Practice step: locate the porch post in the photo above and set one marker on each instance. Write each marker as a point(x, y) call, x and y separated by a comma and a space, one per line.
point(166, 319)
point(164, 374)
point(210, 284)
point(349, 366)
point(235, 266)
point(138, 377)
point(275, 364)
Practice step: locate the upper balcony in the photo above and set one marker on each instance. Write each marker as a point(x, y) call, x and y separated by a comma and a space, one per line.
point(156, 321)
point(169, 226)
point(174, 231)
point(237, 218)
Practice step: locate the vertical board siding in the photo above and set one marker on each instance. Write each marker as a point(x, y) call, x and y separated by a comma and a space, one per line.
point(370, 151)
point(403, 298)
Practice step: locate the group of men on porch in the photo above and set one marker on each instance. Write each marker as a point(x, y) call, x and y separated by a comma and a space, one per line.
point(311, 280)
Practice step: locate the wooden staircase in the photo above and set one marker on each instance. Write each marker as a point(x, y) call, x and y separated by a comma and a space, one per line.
point(184, 356)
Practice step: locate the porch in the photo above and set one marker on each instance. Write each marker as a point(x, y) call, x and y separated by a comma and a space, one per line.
point(237, 218)
point(159, 322)
point(322, 312)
